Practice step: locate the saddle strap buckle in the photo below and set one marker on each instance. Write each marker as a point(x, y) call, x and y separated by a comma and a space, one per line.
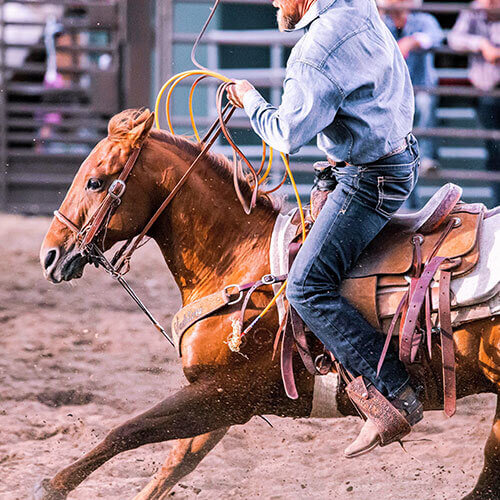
point(229, 295)
point(268, 279)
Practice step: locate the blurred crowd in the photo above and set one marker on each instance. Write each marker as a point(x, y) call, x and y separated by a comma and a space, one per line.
point(476, 32)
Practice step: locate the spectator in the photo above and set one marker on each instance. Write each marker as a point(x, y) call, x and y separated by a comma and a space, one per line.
point(478, 31)
point(416, 33)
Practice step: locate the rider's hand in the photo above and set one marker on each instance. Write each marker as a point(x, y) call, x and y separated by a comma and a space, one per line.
point(236, 92)
point(489, 51)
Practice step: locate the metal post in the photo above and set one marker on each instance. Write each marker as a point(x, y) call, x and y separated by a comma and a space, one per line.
point(138, 51)
point(3, 118)
point(164, 29)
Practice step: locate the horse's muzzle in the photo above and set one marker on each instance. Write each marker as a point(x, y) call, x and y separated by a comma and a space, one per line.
point(62, 266)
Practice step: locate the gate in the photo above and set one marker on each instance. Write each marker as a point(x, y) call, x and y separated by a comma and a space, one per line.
point(60, 72)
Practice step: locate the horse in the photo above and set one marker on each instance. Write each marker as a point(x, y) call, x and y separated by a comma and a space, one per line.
point(208, 242)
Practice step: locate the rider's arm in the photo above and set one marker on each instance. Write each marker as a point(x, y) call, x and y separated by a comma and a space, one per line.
point(309, 103)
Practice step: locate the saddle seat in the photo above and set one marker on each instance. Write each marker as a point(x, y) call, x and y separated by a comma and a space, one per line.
point(431, 215)
point(392, 251)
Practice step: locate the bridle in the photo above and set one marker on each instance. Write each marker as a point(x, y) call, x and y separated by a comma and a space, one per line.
point(92, 234)
point(87, 235)
point(90, 237)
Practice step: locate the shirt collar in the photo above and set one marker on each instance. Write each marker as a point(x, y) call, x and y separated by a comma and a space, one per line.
point(316, 9)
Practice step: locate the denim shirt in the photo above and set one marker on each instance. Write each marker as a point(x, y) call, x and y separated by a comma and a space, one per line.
point(428, 32)
point(346, 83)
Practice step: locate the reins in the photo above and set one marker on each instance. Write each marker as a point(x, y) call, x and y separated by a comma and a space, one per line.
point(90, 238)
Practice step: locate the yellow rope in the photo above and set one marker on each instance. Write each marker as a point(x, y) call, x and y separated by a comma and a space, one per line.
point(191, 113)
point(193, 72)
point(269, 165)
point(172, 83)
point(296, 191)
point(273, 301)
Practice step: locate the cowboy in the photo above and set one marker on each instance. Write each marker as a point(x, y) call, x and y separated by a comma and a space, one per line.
point(346, 84)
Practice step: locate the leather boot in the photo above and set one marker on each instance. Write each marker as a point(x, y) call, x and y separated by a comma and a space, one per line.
point(406, 403)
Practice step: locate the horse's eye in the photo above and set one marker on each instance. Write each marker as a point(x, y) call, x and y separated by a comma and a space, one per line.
point(94, 184)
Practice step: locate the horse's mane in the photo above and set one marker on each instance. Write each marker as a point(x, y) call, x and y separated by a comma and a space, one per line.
point(125, 121)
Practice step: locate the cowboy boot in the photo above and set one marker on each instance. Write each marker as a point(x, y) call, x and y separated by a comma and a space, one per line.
point(369, 438)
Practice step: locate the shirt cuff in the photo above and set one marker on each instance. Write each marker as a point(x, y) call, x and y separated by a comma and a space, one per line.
point(423, 39)
point(252, 100)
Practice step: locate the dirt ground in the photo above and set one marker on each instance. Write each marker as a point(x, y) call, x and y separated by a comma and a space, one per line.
point(78, 359)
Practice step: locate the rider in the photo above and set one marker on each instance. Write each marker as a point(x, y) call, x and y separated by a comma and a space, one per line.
point(346, 83)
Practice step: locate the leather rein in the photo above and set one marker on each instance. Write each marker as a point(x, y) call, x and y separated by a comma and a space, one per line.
point(91, 236)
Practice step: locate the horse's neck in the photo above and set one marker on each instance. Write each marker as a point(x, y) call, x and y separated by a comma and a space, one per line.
point(206, 239)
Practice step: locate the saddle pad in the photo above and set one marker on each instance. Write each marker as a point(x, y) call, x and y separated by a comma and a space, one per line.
point(324, 404)
point(283, 233)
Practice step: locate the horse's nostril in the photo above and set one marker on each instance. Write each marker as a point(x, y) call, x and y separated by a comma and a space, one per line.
point(49, 258)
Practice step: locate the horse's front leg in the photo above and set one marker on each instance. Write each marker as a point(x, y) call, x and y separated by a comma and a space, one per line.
point(196, 409)
point(182, 460)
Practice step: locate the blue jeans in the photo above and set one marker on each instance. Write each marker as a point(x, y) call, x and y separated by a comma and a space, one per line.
point(362, 203)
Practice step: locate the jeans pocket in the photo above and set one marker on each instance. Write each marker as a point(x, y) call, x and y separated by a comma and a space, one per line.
point(393, 191)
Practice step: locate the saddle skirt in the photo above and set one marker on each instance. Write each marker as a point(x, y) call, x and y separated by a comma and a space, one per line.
point(379, 279)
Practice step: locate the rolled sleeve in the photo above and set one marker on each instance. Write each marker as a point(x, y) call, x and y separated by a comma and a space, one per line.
point(309, 103)
point(252, 100)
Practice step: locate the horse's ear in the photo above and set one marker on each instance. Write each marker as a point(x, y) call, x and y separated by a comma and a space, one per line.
point(140, 132)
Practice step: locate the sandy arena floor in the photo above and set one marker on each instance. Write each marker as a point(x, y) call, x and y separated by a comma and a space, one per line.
point(78, 359)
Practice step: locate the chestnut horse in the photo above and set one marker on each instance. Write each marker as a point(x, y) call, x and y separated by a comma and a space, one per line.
point(208, 242)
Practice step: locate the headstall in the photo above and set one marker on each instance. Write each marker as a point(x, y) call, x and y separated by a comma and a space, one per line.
point(90, 237)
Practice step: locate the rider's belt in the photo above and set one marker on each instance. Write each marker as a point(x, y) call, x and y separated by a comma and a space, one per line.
point(405, 143)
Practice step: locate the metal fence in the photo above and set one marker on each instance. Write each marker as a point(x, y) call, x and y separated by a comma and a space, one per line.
point(66, 67)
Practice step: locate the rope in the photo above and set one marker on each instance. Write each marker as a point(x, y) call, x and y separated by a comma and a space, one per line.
point(203, 73)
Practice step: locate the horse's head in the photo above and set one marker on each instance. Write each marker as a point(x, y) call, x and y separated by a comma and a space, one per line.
point(60, 254)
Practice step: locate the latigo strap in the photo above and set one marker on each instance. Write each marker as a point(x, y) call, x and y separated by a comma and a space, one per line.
point(447, 346)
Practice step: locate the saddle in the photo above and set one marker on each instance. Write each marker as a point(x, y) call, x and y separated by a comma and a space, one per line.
point(412, 254)
point(413, 251)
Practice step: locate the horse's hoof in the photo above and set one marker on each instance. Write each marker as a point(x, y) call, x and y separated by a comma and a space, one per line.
point(45, 491)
